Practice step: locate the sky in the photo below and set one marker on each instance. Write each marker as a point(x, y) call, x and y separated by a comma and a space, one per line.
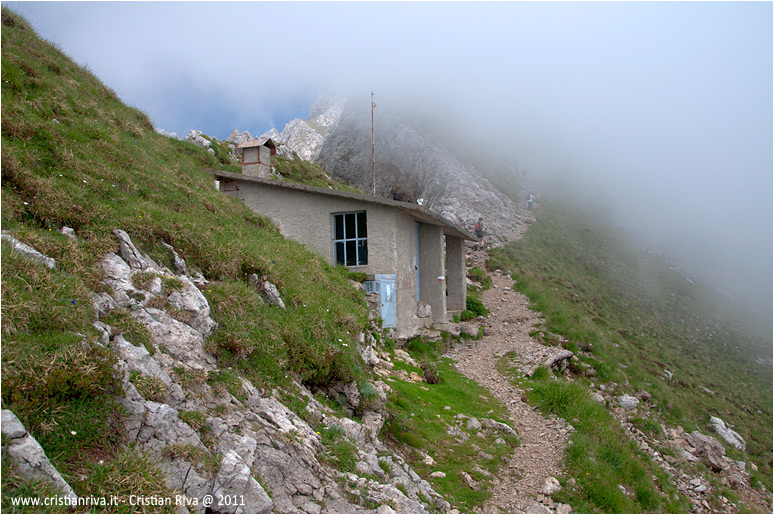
point(663, 110)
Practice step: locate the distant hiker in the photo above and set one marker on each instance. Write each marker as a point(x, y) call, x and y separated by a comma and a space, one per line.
point(529, 202)
point(479, 229)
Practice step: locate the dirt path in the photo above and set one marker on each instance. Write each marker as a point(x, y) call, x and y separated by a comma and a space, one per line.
point(542, 440)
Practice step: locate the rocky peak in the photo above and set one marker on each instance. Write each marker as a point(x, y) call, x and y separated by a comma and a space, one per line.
point(411, 165)
point(326, 110)
point(237, 138)
point(300, 137)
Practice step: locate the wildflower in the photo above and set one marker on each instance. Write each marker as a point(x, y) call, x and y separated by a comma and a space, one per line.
point(73, 433)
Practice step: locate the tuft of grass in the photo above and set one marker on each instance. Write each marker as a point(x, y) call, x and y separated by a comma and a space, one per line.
point(129, 473)
point(477, 274)
point(203, 461)
point(342, 451)
point(123, 323)
point(304, 172)
point(151, 388)
point(196, 419)
point(227, 381)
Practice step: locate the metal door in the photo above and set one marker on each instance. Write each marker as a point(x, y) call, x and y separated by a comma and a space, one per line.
point(388, 299)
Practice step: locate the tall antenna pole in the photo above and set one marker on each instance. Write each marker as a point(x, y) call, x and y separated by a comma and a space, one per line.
point(373, 153)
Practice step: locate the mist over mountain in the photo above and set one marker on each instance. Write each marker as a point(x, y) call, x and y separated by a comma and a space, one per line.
point(463, 168)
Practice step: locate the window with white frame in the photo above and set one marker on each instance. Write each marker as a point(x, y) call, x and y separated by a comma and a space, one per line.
point(350, 239)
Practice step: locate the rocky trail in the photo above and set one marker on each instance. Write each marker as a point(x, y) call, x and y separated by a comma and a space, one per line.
point(529, 477)
point(530, 472)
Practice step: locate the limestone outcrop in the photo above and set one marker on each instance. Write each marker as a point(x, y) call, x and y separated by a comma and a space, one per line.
point(238, 441)
point(29, 460)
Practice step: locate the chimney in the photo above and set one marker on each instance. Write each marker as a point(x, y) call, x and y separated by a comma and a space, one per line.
point(256, 157)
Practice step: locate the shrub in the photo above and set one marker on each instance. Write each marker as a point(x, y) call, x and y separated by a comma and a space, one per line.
point(476, 306)
point(480, 276)
point(430, 373)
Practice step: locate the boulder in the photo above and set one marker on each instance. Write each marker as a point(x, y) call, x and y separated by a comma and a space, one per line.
point(180, 265)
point(628, 402)
point(136, 260)
point(728, 434)
point(272, 294)
point(551, 485)
point(498, 426)
point(235, 483)
point(28, 252)
point(237, 138)
point(28, 458)
point(195, 137)
point(709, 450)
point(473, 424)
point(138, 359)
point(69, 232)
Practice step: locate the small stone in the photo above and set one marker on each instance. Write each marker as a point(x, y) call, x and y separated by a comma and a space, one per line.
point(551, 485)
point(438, 474)
point(628, 402)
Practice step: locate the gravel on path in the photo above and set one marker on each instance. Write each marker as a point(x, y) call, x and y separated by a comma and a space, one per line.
point(520, 482)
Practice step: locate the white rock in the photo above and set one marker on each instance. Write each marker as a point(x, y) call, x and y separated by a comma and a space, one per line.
point(628, 402)
point(29, 459)
point(235, 479)
point(28, 252)
point(728, 434)
point(551, 485)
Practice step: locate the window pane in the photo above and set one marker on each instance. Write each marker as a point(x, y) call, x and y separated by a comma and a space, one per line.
point(349, 223)
point(339, 227)
point(361, 225)
point(351, 253)
point(339, 253)
point(362, 252)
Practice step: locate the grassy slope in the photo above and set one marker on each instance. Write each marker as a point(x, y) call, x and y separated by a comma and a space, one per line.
point(641, 318)
point(74, 155)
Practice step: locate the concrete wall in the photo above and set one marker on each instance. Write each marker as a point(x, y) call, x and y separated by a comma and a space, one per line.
point(431, 267)
point(392, 243)
point(456, 287)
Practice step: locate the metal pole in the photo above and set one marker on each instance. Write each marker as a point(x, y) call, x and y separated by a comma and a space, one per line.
point(373, 154)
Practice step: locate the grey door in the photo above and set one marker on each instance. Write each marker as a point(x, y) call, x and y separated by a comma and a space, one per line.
point(388, 299)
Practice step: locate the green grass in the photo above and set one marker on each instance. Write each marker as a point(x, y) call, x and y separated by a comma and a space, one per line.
point(304, 172)
point(602, 457)
point(418, 423)
point(638, 317)
point(74, 155)
point(342, 452)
